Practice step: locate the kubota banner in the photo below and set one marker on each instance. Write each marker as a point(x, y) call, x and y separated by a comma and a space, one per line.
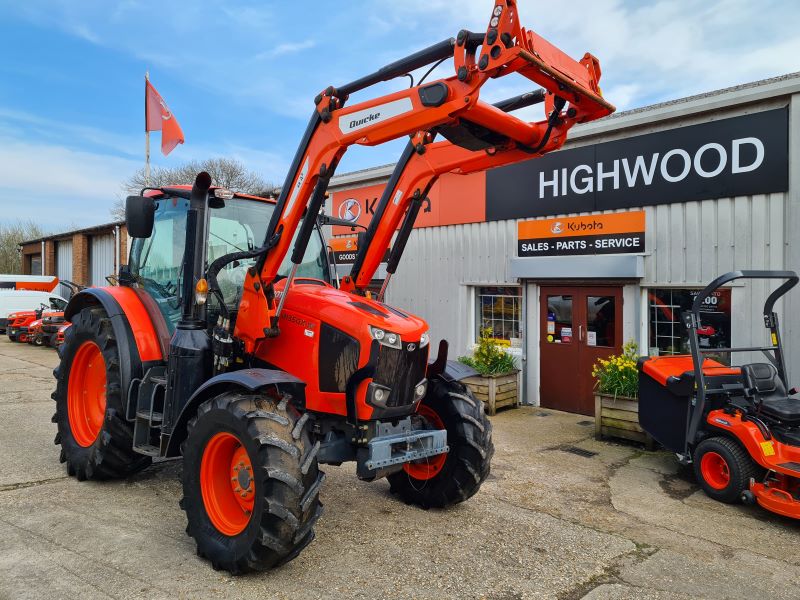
point(453, 199)
point(613, 233)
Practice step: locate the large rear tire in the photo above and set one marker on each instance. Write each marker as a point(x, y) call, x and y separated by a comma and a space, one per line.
point(96, 440)
point(250, 482)
point(448, 479)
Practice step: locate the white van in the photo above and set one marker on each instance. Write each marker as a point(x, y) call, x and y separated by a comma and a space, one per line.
point(12, 301)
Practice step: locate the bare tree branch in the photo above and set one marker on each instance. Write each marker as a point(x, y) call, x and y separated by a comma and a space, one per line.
point(11, 236)
point(225, 172)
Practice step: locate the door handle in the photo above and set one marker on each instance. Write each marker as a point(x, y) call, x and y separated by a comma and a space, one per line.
point(580, 333)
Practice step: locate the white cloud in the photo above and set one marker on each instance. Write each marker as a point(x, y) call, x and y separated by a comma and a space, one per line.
point(54, 183)
point(53, 130)
point(287, 48)
point(649, 51)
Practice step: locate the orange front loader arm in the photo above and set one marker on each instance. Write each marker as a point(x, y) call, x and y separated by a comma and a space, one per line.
point(452, 102)
point(421, 164)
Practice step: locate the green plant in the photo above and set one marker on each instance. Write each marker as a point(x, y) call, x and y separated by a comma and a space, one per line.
point(489, 358)
point(618, 375)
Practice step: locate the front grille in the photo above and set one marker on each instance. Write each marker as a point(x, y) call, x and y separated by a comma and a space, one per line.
point(400, 371)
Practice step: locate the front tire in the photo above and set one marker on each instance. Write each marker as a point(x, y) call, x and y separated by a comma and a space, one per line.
point(250, 482)
point(723, 468)
point(448, 479)
point(96, 441)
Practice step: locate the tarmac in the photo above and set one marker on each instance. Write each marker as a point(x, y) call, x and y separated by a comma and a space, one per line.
point(615, 522)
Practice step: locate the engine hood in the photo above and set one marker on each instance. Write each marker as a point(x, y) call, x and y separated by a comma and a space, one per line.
point(349, 312)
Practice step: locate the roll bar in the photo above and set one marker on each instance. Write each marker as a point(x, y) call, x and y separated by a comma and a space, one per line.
point(773, 353)
point(790, 276)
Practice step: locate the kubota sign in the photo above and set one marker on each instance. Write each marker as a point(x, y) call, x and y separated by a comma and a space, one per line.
point(613, 233)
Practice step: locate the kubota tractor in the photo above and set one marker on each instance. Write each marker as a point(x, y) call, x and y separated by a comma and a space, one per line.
point(225, 342)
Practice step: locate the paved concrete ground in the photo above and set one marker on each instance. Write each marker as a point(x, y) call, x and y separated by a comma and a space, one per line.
point(548, 523)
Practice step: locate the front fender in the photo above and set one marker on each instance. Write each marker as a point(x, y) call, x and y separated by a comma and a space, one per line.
point(250, 380)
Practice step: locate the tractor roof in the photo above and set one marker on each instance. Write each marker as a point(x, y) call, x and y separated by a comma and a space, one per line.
point(183, 191)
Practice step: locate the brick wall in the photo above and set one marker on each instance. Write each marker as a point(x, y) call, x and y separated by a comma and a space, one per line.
point(123, 246)
point(49, 257)
point(29, 252)
point(80, 259)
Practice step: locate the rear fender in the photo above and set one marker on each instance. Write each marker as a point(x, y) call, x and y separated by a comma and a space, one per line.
point(122, 303)
point(132, 361)
point(247, 380)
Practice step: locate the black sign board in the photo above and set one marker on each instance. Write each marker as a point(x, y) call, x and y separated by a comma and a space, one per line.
point(730, 157)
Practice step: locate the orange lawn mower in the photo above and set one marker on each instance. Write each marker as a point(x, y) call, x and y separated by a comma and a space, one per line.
point(738, 426)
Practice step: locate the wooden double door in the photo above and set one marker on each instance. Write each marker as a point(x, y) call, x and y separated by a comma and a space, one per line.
point(579, 324)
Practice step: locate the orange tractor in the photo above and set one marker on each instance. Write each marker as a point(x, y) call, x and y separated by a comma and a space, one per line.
point(225, 342)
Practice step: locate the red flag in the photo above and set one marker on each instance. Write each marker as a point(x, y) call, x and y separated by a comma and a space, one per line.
point(158, 117)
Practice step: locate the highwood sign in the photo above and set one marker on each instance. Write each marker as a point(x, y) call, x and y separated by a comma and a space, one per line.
point(614, 233)
point(737, 156)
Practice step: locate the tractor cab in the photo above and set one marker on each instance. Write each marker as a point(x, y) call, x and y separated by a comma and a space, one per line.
point(235, 223)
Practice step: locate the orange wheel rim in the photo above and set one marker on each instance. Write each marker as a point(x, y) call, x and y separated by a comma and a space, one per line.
point(227, 483)
point(86, 394)
point(427, 468)
point(715, 470)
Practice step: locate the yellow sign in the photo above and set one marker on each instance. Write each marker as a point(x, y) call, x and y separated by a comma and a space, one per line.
point(767, 448)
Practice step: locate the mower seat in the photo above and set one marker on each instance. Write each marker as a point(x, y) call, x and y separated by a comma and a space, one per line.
point(762, 380)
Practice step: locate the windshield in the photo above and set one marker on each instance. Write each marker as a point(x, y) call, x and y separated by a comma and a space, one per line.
point(241, 225)
point(235, 225)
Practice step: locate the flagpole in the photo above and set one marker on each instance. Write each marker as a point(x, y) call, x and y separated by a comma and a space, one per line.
point(146, 134)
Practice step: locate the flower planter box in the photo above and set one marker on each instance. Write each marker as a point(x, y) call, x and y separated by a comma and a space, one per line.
point(618, 417)
point(495, 391)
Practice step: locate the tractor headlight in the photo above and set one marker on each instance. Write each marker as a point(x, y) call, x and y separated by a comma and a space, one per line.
point(425, 339)
point(385, 338)
point(377, 394)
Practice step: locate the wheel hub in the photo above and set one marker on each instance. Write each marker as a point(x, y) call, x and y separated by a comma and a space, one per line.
point(715, 470)
point(227, 484)
point(427, 468)
point(242, 475)
point(86, 394)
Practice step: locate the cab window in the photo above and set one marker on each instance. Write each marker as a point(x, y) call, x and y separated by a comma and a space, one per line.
point(241, 225)
point(156, 261)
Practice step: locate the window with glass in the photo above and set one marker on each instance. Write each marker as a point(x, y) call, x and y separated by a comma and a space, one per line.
point(500, 313)
point(600, 321)
point(558, 328)
point(667, 332)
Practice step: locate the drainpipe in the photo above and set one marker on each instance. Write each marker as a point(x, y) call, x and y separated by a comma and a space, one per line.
point(42, 267)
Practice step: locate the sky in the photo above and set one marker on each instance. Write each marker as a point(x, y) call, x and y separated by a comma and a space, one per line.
point(241, 76)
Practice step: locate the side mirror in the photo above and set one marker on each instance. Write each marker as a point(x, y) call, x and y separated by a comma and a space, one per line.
point(139, 216)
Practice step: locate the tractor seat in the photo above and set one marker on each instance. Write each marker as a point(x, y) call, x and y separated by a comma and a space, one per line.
point(763, 381)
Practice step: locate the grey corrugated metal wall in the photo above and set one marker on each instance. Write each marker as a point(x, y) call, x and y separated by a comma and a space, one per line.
point(63, 265)
point(101, 259)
